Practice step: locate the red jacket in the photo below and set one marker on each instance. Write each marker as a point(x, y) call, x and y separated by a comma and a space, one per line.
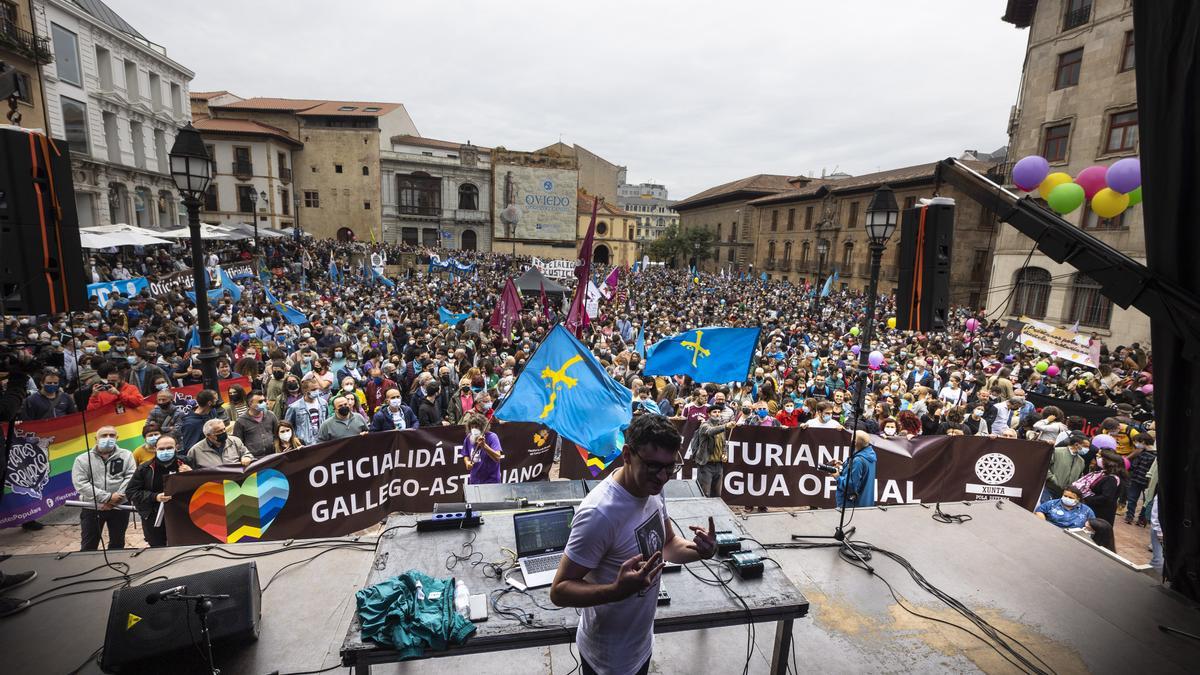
point(127, 394)
point(789, 421)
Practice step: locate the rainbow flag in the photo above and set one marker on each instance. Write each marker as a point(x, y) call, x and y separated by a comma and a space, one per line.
point(43, 452)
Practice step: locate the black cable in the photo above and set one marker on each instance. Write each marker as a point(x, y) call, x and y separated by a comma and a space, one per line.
point(88, 660)
point(717, 580)
point(943, 517)
point(311, 672)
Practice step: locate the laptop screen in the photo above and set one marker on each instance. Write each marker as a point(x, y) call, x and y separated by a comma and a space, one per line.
point(543, 531)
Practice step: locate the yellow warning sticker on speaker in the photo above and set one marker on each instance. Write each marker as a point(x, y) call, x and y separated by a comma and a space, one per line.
point(132, 621)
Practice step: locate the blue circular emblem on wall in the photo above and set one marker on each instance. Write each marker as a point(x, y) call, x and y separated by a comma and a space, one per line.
point(547, 185)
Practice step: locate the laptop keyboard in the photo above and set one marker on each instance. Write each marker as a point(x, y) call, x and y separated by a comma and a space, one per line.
point(543, 563)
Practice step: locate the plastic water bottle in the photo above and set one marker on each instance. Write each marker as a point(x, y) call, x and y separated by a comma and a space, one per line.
point(462, 599)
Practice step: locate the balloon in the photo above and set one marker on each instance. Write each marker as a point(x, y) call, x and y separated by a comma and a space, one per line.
point(1147, 389)
point(103, 346)
point(875, 358)
point(1066, 197)
point(1125, 175)
point(854, 331)
point(1042, 366)
point(1135, 197)
point(1104, 442)
point(1109, 203)
point(972, 325)
point(1092, 179)
point(1030, 171)
point(856, 349)
point(1052, 371)
point(1052, 181)
point(1008, 358)
point(891, 322)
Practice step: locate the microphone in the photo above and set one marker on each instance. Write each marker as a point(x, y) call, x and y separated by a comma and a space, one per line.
point(164, 594)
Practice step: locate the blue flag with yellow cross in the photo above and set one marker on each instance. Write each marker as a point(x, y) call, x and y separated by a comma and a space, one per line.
point(708, 354)
point(564, 387)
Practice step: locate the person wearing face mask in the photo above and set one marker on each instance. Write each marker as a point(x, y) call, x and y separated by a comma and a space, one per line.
point(760, 416)
point(145, 452)
point(101, 476)
point(376, 390)
point(344, 423)
point(1067, 511)
point(889, 428)
point(351, 369)
point(286, 439)
point(707, 450)
point(977, 423)
point(481, 451)
point(142, 373)
point(356, 396)
point(164, 414)
point(146, 487)
point(48, 401)
point(256, 428)
point(189, 430)
point(112, 389)
point(218, 447)
point(824, 418)
point(856, 482)
point(237, 405)
point(394, 414)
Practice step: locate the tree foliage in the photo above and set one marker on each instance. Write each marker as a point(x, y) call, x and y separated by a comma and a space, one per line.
point(683, 245)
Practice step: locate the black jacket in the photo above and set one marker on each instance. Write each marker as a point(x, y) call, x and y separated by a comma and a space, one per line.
point(428, 414)
point(147, 482)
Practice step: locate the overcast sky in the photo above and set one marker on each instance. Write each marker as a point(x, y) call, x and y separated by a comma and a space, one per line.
point(688, 94)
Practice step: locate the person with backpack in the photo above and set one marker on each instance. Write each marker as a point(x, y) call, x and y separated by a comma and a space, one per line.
point(1101, 489)
point(1066, 466)
point(1139, 477)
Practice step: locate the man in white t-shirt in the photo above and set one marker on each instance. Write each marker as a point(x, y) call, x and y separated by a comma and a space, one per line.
point(619, 540)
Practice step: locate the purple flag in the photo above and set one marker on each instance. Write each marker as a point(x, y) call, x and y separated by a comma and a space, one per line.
point(577, 317)
point(507, 311)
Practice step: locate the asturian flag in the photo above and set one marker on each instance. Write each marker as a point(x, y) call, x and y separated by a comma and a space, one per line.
point(708, 354)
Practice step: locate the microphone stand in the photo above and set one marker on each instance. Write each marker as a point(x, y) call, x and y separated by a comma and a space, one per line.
point(203, 607)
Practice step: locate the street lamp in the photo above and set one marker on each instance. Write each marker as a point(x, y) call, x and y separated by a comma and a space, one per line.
point(882, 213)
point(296, 215)
point(253, 196)
point(191, 169)
point(822, 251)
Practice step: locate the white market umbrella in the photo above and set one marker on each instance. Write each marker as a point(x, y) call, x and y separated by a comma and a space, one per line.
point(96, 240)
point(207, 231)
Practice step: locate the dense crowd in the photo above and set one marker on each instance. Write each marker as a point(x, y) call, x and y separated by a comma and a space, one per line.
point(374, 357)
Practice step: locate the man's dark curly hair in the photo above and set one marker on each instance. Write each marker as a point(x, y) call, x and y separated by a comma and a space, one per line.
point(654, 430)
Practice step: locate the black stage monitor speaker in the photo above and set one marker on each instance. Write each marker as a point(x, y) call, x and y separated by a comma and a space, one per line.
point(140, 629)
point(41, 267)
point(926, 239)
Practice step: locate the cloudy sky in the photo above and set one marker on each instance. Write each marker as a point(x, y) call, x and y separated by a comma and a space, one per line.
point(688, 94)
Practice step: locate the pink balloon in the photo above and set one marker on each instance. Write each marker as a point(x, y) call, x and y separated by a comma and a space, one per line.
point(875, 359)
point(1092, 179)
point(972, 325)
point(1147, 389)
point(1052, 371)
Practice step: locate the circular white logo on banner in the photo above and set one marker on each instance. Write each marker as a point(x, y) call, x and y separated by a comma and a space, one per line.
point(995, 468)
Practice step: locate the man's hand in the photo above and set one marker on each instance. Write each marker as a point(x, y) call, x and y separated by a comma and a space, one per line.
point(705, 541)
point(247, 460)
point(184, 467)
point(636, 576)
point(162, 497)
point(116, 498)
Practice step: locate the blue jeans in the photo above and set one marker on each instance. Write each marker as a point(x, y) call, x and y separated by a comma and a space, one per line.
point(1132, 493)
point(1156, 551)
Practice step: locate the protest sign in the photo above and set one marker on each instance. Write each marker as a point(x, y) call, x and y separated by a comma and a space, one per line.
point(1057, 342)
point(556, 269)
point(336, 488)
point(129, 288)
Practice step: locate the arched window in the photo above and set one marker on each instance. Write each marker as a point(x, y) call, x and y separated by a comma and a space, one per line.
point(600, 255)
point(787, 251)
point(1088, 305)
point(805, 250)
point(729, 255)
point(718, 231)
point(470, 240)
point(847, 256)
point(468, 197)
point(1032, 290)
point(732, 232)
point(771, 250)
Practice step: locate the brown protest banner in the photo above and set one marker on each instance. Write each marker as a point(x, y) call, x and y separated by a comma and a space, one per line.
point(778, 468)
point(336, 488)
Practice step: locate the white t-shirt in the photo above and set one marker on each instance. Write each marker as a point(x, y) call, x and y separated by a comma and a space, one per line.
point(610, 527)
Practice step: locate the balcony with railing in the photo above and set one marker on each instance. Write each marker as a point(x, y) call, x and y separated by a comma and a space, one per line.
point(770, 264)
point(467, 215)
point(1077, 17)
point(21, 41)
point(418, 210)
point(285, 174)
point(243, 169)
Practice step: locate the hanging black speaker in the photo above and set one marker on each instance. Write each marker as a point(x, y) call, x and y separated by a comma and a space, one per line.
point(926, 238)
point(41, 270)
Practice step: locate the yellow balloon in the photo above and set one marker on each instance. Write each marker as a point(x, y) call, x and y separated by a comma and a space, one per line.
point(1108, 203)
point(891, 322)
point(103, 346)
point(1052, 181)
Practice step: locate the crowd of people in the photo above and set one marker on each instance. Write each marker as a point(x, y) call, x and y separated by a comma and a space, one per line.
point(374, 357)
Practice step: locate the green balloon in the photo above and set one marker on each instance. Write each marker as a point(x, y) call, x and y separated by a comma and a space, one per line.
point(854, 331)
point(1042, 366)
point(1066, 197)
point(1135, 196)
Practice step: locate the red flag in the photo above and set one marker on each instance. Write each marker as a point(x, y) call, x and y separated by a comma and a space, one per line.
point(547, 311)
point(507, 311)
point(577, 317)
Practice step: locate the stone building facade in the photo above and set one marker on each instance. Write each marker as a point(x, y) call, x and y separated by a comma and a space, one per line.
point(437, 193)
point(1077, 106)
point(614, 243)
point(336, 172)
point(118, 99)
point(724, 210)
point(655, 212)
point(26, 51)
point(789, 228)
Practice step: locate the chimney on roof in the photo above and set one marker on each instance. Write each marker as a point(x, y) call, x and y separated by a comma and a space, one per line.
point(798, 182)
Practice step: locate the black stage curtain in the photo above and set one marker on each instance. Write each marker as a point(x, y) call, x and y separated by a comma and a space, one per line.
point(1167, 40)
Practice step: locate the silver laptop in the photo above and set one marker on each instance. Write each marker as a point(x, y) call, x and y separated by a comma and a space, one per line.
point(541, 539)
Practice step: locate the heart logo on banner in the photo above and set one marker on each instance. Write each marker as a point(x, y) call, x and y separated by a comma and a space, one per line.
point(230, 511)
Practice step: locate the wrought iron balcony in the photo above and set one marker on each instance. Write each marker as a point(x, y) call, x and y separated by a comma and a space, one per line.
point(21, 41)
point(1078, 17)
point(241, 168)
point(285, 174)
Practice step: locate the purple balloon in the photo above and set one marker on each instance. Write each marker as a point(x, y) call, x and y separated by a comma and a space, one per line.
point(856, 349)
point(1104, 442)
point(875, 359)
point(1028, 173)
point(1125, 175)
